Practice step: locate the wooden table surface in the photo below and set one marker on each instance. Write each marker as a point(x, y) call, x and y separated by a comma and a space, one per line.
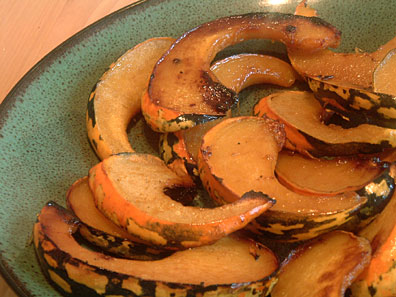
point(31, 29)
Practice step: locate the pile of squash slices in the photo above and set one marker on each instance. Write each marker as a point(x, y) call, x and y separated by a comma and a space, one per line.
point(295, 199)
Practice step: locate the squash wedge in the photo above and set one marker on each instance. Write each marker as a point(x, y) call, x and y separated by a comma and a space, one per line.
point(325, 176)
point(324, 267)
point(129, 189)
point(103, 233)
point(179, 149)
point(116, 97)
point(233, 266)
point(241, 71)
point(379, 278)
point(183, 92)
point(239, 156)
point(305, 132)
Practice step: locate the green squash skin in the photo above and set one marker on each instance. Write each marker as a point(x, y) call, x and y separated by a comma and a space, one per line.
point(277, 227)
point(114, 286)
point(120, 247)
point(360, 106)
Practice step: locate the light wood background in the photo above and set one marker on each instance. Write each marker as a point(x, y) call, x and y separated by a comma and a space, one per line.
point(31, 29)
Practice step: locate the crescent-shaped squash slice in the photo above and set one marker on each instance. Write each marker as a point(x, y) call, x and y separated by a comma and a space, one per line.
point(129, 189)
point(183, 92)
point(239, 156)
point(102, 232)
point(179, 149)
point(233, 266)
point(325, 176)
point(116, 97)
point(324, 267)
point(301, 114)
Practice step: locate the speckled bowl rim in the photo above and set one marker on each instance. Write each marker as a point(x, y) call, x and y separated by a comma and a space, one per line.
point(8, 103)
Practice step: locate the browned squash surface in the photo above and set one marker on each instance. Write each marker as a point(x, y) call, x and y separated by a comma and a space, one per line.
point(324, 267)
point(129, 189)
point(325, 176)
point(384, 74)
point(102, 232)
point(301, 114)
point(183, 91)
point(230, 267)
point(238, 157)
point(116, 98)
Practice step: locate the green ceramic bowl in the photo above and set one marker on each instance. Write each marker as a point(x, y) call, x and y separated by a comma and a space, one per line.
point(43, 142)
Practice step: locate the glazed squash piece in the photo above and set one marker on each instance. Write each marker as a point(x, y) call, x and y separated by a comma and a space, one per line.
point(232, 266)
point(241, 71)
point(305, 132)
point(379, 278)
point(183, 92)
point(102, 232)
point(325, 176)
point(324, 267)
point(129, 189)
point(384, 74)
point(239, 156)
point(116, 97)
point(179, 149)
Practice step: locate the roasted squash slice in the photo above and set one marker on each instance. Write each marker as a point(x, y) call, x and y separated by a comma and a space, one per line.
point(356, 105)
point(179, 149)
point(301, 115)
point(183, 92)
point(384, 74)
point(241, 71)
point(239, 155)
point(233, 266)
point(324, 267)
point(116, 97)
point(354, 68)
point(129, 189)
point(102, 232)
point(325, 176)
point(379, 278)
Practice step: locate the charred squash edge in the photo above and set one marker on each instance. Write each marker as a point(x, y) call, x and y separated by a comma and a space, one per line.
point(53, 262)
point(166, 119)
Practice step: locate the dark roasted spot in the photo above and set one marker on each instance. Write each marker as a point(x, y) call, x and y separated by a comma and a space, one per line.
point(176, 60)
point(291, 29)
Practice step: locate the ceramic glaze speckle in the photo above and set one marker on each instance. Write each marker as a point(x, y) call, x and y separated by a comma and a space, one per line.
point(43, 142)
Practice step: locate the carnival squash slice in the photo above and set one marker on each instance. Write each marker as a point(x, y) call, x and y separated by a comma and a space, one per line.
point(301, 114)
point(116, 97)
point(129, 189)
point(179, 149)
point(230, 267)
point(101, 232)
point(324, 267)
point(326, 176)
point(183, 92)
point(239, 156)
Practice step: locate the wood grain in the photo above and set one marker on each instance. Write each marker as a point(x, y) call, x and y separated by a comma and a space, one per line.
point(31, 29)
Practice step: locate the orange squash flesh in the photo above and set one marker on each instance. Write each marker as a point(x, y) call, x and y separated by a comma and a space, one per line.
point(129, 189)
point(384, 74)
point(183, 91)
point(102, 232)
point(230, 267)
point(239, 156)
point(305, 132)
point(116, 98)
point(241, 71)
point(324, 176)
point(324, 267)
